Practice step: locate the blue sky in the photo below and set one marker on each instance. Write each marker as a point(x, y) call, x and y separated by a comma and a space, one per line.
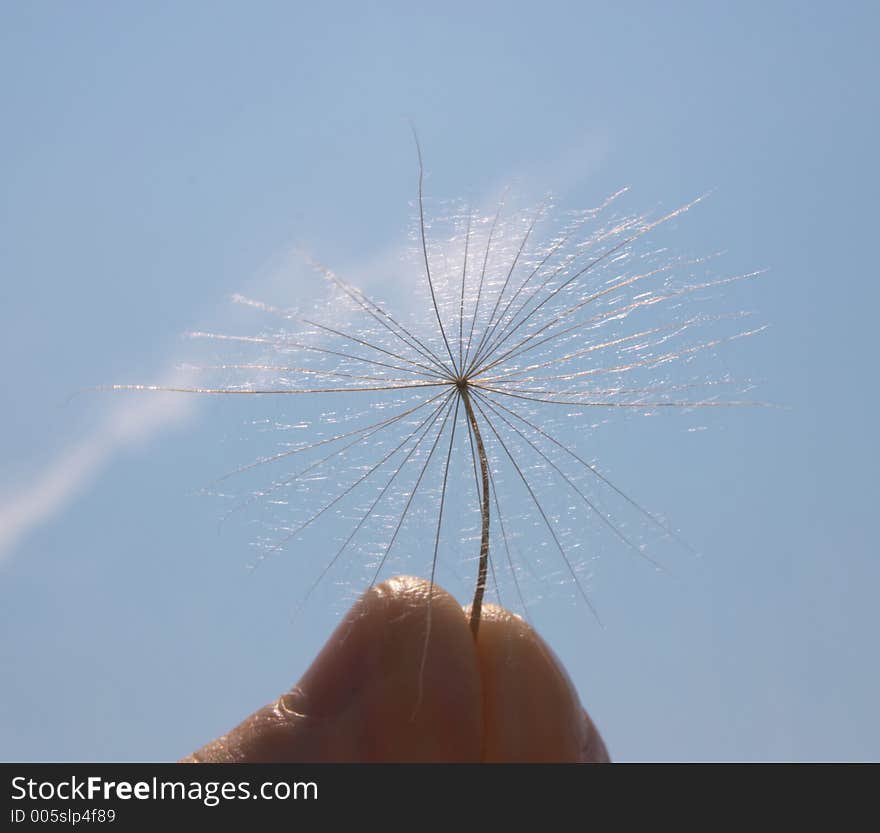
point(158, 158)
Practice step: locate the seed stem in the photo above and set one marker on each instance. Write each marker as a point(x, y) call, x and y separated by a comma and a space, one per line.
point(477, 606)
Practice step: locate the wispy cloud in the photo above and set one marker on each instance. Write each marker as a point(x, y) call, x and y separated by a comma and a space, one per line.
point(64, 479)
point(132, 418)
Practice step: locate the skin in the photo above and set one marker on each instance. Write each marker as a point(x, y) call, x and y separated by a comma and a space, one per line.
point(379, 691)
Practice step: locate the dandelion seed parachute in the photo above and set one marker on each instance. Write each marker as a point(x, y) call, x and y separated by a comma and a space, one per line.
point(519, 318)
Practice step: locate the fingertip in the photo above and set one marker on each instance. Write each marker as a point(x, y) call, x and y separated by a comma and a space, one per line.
point(531, 710)
point(398, 680)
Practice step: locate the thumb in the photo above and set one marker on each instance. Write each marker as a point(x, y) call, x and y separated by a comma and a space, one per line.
point(383, 688)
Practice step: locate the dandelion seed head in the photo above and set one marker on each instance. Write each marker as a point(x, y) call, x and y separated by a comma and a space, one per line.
point(448, 420)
